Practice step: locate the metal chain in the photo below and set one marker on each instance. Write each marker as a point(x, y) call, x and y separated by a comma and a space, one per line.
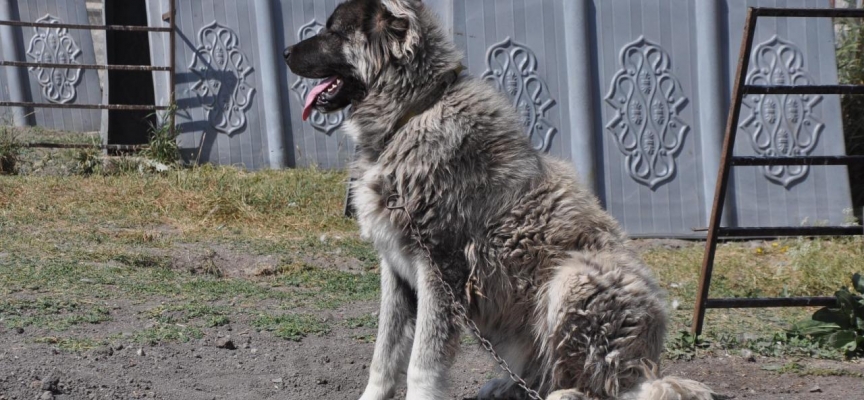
point(458, 308)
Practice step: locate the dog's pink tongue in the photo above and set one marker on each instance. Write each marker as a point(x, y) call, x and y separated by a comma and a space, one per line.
point(313, 95)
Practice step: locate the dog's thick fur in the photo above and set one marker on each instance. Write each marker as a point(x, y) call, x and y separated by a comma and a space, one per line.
point(546, 273)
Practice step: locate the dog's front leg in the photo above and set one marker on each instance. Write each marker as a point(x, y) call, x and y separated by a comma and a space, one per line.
point(436, 340)
point(395, 331)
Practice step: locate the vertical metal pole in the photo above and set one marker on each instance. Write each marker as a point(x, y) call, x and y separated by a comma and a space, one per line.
point(172, 61)
point(712, 86)
point(16, 76)
point(583, 127)
point(271, 91)
point(723, 174)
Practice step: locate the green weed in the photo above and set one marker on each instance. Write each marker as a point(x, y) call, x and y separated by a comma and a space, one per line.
point(292, 327)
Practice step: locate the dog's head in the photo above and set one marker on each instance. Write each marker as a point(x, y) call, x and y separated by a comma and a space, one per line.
point(361, 38)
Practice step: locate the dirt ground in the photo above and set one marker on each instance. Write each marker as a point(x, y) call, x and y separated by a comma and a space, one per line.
point(217, 283)
point(332, 366)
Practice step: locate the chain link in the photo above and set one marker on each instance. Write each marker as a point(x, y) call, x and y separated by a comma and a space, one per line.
point(458, 308)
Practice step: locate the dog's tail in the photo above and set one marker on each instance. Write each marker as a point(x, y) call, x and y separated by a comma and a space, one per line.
point(653, 387)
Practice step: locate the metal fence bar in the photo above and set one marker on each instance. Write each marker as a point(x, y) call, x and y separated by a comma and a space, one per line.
point(171, 69)
point(83, 106)
point(723, 173)
point(790, 231)
point(145, 68)
point(121, 147)
point(809, 12)
point(809, 89)
point(132, 28)
point(807, 160)
point(771, 302)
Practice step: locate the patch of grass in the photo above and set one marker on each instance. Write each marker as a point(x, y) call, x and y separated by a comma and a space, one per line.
point(683, 345)
point(187, 312)
point(364, 321)
point(139, 260)
point(217, 320)
point(10, 150)
point(794, 367)
point(292, 326)
point(171, 332)
point(73, 344)
point(162, 144)
point(331, 288)
point(794, 267)
point(370, 338)
point(88, 160)
point(50, 313)
point(206, 202)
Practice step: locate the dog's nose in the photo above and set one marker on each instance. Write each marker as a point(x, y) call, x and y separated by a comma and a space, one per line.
point(287, 52)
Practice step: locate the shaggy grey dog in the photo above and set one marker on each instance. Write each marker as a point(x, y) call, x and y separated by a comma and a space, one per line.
point(545, 273)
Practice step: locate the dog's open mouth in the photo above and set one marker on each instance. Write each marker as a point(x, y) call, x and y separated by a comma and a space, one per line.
point(321, 95)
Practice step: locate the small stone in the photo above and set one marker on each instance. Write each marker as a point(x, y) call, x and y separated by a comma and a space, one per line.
point(47, 395)
point(49, 383)
point(118, 346)
point(748, 355)
point(816, 389)
point(226, 343)
point(276, 380)
point(253, 350)
point(321, 381)
point(141, 352)
point(104, 351)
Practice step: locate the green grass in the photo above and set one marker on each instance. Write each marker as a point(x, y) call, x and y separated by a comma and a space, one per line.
point(49, 313)
point(363, 321)
point(74, 344)
point(160, 333)
point(292, 326)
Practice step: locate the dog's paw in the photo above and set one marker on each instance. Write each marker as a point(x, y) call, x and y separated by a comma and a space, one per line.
point(569, 394)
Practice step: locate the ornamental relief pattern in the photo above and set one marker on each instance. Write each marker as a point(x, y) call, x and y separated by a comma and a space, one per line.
point(512, 68)
point(55, 46)
point(781, 125)
point(646, 125)
point(222, 69)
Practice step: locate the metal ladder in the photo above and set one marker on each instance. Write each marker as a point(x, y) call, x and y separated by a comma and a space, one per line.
point(728, 160)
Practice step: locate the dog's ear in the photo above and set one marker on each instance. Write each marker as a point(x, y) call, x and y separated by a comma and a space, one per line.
point(400, 22)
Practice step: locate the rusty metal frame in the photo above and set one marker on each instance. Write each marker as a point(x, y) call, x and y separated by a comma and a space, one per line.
point(728, 160)
point(170, 17)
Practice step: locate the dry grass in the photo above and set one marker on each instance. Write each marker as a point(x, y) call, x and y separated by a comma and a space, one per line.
point(196, 202)
point(793, 267)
